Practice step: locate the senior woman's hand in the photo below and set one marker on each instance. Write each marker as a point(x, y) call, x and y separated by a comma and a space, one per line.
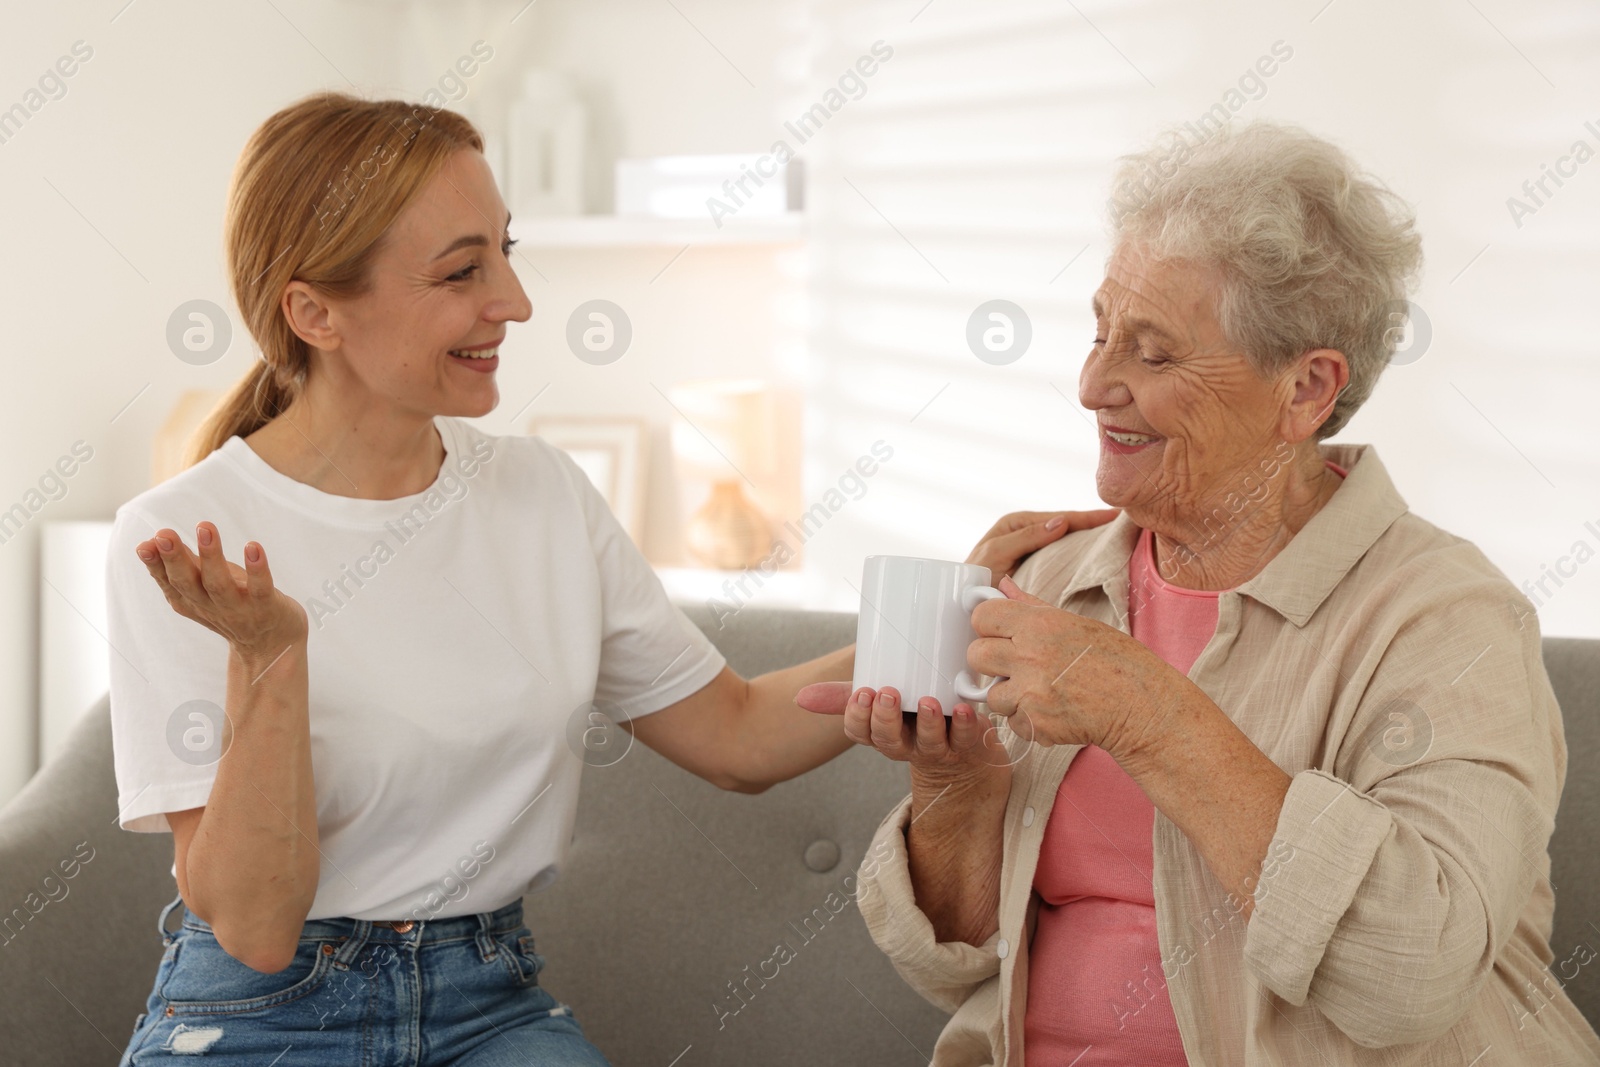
point(960, 779)
point(961, 751)
point(1076, 680)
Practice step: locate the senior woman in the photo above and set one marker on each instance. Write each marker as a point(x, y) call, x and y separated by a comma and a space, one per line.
point(1280, 759)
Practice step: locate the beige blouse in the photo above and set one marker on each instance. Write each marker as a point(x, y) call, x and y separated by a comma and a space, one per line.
point(1403, 913)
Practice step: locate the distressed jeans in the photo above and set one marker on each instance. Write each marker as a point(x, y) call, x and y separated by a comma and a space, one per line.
point(461, 991)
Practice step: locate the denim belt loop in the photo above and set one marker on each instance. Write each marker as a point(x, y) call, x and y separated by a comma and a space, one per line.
point(358, 937)
point(161, 923)
point(487, 947)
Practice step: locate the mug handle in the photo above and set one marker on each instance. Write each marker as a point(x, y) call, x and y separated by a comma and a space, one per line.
point(967, 687)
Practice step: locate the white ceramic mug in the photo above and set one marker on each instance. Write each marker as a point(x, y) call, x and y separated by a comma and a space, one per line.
point(915, 626)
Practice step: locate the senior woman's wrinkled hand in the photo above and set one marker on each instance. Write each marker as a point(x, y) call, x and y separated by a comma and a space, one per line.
point(1075, 680)
point(962, 750)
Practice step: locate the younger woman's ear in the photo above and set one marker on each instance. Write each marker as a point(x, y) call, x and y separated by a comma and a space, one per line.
point(307, 313)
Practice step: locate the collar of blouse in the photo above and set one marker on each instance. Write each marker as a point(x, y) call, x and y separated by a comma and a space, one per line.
point(1300, 577)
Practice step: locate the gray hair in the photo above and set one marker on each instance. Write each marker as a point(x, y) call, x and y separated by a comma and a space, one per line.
point(1309, 252)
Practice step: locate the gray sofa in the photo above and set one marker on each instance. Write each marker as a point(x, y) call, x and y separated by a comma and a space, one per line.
point(674, 889)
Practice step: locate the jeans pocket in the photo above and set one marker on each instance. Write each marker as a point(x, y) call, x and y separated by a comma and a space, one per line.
point(522, 963)
point(204, 979)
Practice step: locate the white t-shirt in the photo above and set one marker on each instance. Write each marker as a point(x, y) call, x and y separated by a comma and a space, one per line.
point(457, 639)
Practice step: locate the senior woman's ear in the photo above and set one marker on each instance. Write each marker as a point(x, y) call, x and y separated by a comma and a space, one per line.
point(1321, 375)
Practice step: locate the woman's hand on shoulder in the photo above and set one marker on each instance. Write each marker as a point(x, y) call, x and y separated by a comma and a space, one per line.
point(1022, 533)
point(239, 603)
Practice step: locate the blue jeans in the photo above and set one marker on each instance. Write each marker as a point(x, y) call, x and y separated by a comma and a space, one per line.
point(462, 992)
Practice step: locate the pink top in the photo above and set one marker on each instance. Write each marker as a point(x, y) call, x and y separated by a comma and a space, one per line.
point(1096, 994)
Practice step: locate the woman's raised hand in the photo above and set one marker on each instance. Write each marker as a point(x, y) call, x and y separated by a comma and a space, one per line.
point(1022, 533)
point(240, 603)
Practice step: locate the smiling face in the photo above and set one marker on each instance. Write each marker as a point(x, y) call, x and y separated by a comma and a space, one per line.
point(1199, 419)
point(441, 282)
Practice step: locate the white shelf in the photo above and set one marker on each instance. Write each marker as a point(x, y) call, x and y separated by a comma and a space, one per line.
point(613, 231)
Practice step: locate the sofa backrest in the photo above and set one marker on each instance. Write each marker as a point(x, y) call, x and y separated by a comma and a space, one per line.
point(1574, 668)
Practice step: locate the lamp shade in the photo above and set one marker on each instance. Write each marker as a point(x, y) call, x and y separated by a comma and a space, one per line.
point(724, 430)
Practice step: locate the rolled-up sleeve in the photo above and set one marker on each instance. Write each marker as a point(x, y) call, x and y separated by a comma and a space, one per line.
point(1405, 872)
point(1333, 835)
point(945, 973)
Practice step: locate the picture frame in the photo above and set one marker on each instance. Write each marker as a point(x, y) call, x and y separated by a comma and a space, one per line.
point(613, 450)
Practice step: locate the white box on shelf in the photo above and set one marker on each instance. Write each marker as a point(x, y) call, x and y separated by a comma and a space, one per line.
point(685, 187)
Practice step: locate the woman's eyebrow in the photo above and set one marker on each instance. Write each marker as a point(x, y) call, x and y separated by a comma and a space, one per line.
point(1136, 324)
point(470, 240)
